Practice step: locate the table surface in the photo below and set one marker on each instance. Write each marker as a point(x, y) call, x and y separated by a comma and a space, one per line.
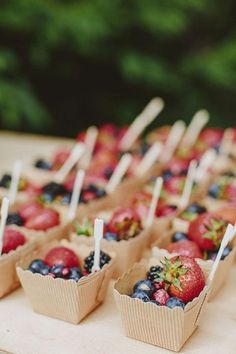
point(25, 332)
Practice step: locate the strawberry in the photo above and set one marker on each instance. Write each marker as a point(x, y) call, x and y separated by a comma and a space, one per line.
point(141, 204)
point(60, 157)
point(175, 185)
point(207, 230)
point(211, 137)
point(43, 220)
point(12, 239)
point(165, 210)
point(230, 193)
point(183, 277)
point(185, 248)
point(177, 166)
point(62, 255)
point(29, 209)
point(126, 223)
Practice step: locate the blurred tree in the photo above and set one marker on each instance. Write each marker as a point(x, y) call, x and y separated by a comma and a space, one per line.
point(77, 62)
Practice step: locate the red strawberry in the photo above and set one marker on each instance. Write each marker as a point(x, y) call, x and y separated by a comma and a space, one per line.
point(207, 230)
point(126, 223)
point(161, 296)
point(211, 136)
point(60, 157)
point(141, 204)
point(165, 210)
point(185, 248)
point(62, 255)
point(12, 239)
point(177, 166)
point(184, 277)
point(175, 184)
point(230, 193)
point(43, 220)
point(30, 209)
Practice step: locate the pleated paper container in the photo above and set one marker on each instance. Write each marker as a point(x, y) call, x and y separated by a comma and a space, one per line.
point(8, 277)
point(65, 300)
point(214, 204)
point(21, 198)
point(222, 270)
point(157, 325)
point(127, 252)
point(54, 233)
point(159, 227)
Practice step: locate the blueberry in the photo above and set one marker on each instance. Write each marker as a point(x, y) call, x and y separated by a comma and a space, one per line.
point(92, 188)
point(52, 190)
point(226, 252)
point(175, 302)
point(141, 295)
point(14, 218)
point(100, 193)
point(66, 198)
point(42, 164)
point(36, 266)
point(75, 274)
point(145, 286)
point(154, 273)
point(211, 255)
point(57, 270)
point(196, 208)
point(144, 148)
point(167, 175)
point(214, 191)
point(45, 270)
point(179, 236)
point(110, 236)
point(5, 181)
point(108, 172)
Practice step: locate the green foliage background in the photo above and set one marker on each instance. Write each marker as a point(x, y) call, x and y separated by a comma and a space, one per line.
point(67, 64)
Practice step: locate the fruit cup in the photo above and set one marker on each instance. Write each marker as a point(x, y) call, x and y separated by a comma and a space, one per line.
point(128, 249)
point(64, 299)
point(40, 224)
point(176, 241)
point(8, 277)
point(157, 325)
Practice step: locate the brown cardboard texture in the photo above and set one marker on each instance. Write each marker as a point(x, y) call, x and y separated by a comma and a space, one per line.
point(127, 252)
point(64, 299)
point(8, 277)
point(222, 270)
point(157, 325)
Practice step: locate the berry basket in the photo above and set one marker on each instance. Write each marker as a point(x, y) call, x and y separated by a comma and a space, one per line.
point(66, 300)
point(222, 270)
point(157, 325)
point(127, 252)
point(54, 233)
point(8, 277)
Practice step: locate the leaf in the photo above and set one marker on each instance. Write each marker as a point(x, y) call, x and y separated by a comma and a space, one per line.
point(176, 283)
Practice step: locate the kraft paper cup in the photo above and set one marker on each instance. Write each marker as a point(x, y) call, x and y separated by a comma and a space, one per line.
point(65, 300)
point(8, 277)
point(214, 204)
point(21, 197)
point(222, 270)
point(159, 227)
point(39, 177)
point(157, 325)
point(127, 252)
